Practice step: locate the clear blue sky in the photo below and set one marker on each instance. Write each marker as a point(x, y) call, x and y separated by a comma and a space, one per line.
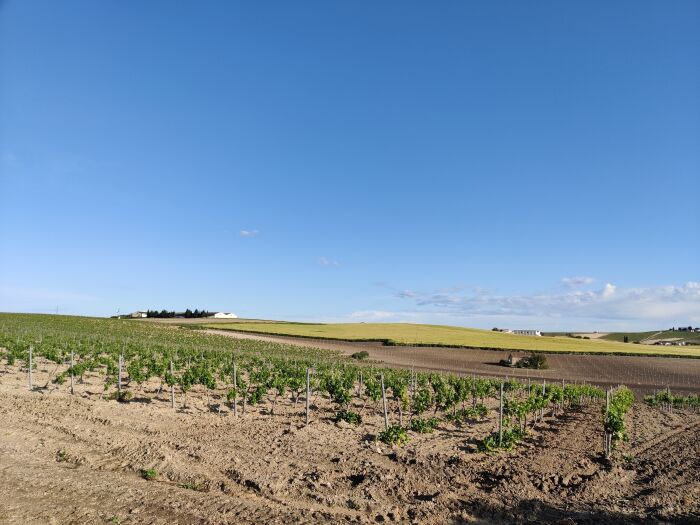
point(521, 164)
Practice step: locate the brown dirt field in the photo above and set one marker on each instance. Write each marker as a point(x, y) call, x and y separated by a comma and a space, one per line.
point(643, 374)
point(76, 460)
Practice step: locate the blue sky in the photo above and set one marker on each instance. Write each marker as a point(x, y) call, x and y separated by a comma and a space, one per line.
point(473, 163)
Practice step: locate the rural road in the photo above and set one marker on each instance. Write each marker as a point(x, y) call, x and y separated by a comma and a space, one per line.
point(642, 374)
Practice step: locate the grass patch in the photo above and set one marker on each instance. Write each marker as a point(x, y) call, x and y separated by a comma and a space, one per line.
point(424, 426)
point(149, 474)
point(349, 417)
point(394, 435)
point(193, 485)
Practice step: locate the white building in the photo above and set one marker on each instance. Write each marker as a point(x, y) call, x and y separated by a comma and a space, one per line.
point(224, 315)
point(535, 333)
point(139, 315)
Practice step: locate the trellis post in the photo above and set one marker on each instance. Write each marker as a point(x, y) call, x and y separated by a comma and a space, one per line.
point(172, 386)
point(119, 375)
point(386, 415)
point(235, 391)
point(72, 391)
point(500, 417)
point(31, 364)
point(308, 393)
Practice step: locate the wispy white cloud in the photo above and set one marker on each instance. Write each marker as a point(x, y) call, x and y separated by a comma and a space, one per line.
point(325, 261)
point(660, 304)
point(575, 282)
point(248, 233)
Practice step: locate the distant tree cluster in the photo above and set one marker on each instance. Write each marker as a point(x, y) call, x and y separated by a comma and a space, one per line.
point(163, 314)
point(187, 314)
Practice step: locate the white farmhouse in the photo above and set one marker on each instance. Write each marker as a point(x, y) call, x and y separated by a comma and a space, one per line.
point(535, 333)
point(139, 315)
point(224, 315)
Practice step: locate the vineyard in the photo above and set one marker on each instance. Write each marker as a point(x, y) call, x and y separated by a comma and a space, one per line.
point(439, 424)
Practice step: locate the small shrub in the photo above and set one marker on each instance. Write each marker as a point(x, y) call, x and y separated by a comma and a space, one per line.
point(479, 411)
point(124, 397)
point(510, 438)
point(149, 474)
point(349, 417)
point(454, 459)
point(62, 456)
point(394, 435)
point(360, 355)
point(424, 426)
point(535, 361)
point(193, 485)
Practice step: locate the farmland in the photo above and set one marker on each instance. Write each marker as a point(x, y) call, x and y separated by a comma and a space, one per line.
point(645, 337)
point(644, 374)
point(436, 335)
point(131, 422)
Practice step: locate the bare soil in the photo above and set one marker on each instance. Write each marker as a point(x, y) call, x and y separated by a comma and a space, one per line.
point(76, 459)
point(643, 374)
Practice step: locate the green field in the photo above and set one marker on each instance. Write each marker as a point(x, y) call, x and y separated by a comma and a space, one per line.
point(437, 335)
point(689, 337)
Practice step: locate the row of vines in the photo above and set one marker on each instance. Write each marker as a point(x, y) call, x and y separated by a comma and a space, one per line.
point(129, 354)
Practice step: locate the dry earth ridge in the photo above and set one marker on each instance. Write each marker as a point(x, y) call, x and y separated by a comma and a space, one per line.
point(76, 459)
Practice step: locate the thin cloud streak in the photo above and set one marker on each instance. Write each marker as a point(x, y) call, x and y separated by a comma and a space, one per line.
point(575, 282)
point(325, 261)
point(659, 304)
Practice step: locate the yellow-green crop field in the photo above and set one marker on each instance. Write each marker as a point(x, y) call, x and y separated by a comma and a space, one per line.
point(421, 334)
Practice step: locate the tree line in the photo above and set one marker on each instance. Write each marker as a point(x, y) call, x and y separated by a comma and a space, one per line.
point(187, 314)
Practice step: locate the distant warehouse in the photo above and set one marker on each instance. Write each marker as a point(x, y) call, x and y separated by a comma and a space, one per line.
point(223, 315)
point(535, 333)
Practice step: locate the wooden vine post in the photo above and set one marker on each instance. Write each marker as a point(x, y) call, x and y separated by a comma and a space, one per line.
point(607, 437)
point(500, 417)
point(119, 375)
point(235, 391)
point(72, 362)
point(31, 383)
point(544, 393)
point(562, 395)
point(308, 393)
point(172, 386)
point(386, 415)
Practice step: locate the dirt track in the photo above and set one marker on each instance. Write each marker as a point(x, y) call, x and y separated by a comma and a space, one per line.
point(642, 374)
point(76, 460)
